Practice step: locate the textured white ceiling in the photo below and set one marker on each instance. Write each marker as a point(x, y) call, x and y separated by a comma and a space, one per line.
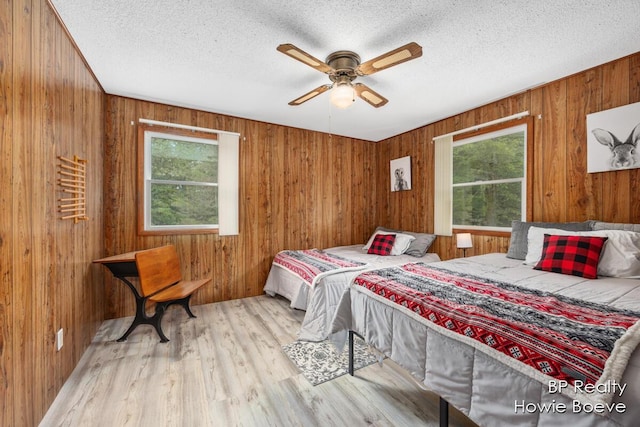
point(221, 56)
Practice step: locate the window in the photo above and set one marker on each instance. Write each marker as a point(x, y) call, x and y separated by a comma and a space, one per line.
point(182, 182)
point(489, 186)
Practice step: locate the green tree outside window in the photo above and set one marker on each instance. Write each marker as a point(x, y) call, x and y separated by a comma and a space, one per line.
point(489, 179)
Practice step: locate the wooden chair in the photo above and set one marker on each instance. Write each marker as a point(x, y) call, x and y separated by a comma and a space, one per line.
point(161, 282)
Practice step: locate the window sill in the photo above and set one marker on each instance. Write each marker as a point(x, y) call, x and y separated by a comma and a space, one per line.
point(476, 232)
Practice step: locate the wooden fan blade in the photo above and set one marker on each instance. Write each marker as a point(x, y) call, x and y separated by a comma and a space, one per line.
point(370, 96)
point(312, 94)
point(304, 57)
point(397, 56)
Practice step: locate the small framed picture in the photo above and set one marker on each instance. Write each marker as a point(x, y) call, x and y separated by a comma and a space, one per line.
point(401, 174)
point(612, 139)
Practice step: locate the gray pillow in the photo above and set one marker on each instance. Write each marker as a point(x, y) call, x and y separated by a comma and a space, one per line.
point(520, 229)
point(388, 230)
point(599, 225)
point(420, 245)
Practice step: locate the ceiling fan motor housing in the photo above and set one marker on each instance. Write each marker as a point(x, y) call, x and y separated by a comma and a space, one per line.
point(344, 64)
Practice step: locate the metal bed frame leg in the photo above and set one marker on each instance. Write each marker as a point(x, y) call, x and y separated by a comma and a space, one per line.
point(351, 352)
point(444, 413)
point(444, 405)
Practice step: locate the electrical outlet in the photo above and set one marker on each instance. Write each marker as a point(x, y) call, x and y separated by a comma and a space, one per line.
point(59, 338)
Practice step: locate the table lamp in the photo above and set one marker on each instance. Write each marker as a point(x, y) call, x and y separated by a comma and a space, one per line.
point(463, 241)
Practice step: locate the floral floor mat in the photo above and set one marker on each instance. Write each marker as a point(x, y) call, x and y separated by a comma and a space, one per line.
point(319, 361)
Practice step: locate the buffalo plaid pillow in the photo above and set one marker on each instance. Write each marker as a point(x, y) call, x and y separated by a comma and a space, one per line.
point(382, 244)
point(575, 255)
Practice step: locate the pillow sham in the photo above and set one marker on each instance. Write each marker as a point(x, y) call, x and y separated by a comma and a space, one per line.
point(620, 258)
point(382, 244)
point(599, 225)
point(519, 234)
point(402, 241)
point(574, 255)
point(420, 245)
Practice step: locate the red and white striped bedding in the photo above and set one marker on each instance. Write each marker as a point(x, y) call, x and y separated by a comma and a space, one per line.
point(312, 264)
point(321, 300)
point(485, 383)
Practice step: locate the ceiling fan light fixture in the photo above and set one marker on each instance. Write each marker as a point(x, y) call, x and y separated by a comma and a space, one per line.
point(342, 94)
point(344, 66)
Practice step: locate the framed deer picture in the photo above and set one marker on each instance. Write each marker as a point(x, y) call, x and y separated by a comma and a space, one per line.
point(612, 139)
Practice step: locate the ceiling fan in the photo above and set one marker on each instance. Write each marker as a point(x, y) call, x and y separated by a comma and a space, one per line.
point(344, 66)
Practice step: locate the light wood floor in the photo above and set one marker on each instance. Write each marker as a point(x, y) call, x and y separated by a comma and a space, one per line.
point(227, 368)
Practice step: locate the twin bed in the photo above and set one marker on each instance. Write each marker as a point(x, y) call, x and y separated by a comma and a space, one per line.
point(320, 297)
point(507, 343)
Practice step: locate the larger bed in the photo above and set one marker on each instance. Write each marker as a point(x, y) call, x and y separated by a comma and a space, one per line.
point(321, 298)
point(487, 385)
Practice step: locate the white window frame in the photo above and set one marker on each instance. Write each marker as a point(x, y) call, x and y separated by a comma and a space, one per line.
point(148, 181)
point(228, 177)
point(524, 196)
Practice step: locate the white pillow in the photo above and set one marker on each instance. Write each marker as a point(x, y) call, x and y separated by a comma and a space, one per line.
point(535, 241)
point(620, 256)
point(400, 245)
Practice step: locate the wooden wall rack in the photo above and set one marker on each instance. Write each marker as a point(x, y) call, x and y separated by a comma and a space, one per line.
point(72, 181)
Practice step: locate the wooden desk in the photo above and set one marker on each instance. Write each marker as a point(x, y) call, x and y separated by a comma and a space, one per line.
point(123, 266)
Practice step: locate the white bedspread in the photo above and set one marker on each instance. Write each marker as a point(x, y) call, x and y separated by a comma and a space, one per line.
point(320, 301)
point(488, 391)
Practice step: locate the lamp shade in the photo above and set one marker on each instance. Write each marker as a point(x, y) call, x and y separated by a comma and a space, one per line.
point(342, 95)
point(463, 240)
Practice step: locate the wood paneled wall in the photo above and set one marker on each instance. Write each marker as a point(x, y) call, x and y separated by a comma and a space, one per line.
point(50, 105)
point(302, 189)
point(562, 188)
point(298, 189)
